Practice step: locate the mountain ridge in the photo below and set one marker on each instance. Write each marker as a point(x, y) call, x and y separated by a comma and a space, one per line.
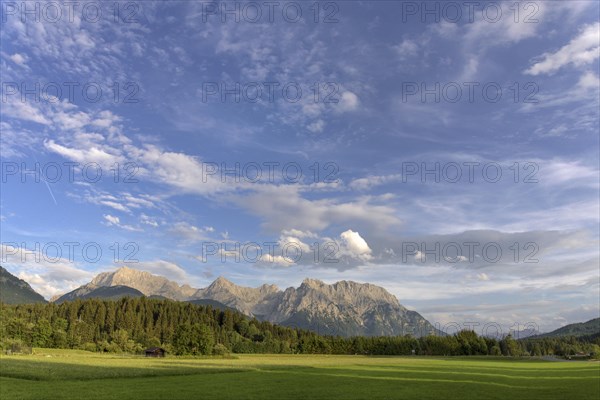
point(16, 291)
point(101, 292)
point(344, 308)
point(589, 328)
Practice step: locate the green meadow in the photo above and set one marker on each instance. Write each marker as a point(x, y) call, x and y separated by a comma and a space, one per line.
point(71, 374)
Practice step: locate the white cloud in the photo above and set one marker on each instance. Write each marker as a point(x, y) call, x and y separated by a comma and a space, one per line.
point(504, 31)
point(483, 277)
point(76, 39)
point(373, 181)
point(146, 220)
point(83, 156)
point(18, 59)
point(481, 35)
point(123, 202)
point(584, 95)
point(190, 232)
point(470, 69)
point(554, 131)
point(299, 233)
point(408, 48)
point(348, 102)
point(111, 220)
point(419, 257)
point(276, 260)
point(187, 174)
point(15, 142)
point(356, 245)
point(293, 243)
point(580, 51)
point(588, 80)
point(316, 126)
point(568, 174)
point(15, 108)
point(282, 207)
point(179, 170)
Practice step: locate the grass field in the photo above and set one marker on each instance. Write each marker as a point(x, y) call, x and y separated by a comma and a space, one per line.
point(69, 374)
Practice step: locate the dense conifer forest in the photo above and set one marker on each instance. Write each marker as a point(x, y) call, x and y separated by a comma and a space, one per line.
point(132, 324)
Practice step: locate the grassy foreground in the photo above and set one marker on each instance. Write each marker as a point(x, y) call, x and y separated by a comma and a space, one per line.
point(70, 374)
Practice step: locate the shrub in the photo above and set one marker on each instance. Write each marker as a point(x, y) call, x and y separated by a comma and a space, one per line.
point(88, 346)
point(220, 350)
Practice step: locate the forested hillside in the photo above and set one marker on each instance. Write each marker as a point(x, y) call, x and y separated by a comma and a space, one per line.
point(132, 324)
point(16, 291)
point(589, 329)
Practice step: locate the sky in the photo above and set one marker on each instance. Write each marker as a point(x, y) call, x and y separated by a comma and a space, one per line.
point(448, 152)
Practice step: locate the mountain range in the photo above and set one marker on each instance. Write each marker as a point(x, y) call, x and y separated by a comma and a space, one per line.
point(344, 308)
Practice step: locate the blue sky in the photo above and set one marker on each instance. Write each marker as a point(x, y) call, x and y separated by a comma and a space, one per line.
point(516, 92)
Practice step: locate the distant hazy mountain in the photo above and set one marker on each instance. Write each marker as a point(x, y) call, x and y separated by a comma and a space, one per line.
point(102, 292)
point(522, 334)
point(589, 328)
point(16, 291)
point(344, 308)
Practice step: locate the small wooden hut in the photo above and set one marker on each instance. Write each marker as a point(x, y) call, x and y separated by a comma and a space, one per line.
point(155, 352)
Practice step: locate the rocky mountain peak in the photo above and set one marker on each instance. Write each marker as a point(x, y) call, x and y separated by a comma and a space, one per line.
point(349, 291)
point(266, 288)
point(312, 283)
point(143, 281)
point(222, 282)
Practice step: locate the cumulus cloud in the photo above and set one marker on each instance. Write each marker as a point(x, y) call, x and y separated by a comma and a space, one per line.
point(286, 242)
point(356, 245)
point(297, 248)
point(348, 102)
point(18, 59)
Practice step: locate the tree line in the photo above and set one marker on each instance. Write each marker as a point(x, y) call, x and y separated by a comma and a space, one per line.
point(133, 324)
